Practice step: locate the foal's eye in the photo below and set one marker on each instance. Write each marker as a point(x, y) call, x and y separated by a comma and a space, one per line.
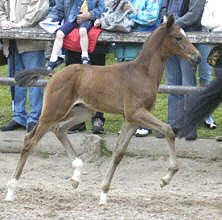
point(178, 38)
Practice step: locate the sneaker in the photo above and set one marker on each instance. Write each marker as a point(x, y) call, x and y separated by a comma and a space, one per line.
point(52, 65)
point(192, 136)
point(209, 122)
point(13, 125)
point(142, 132)
point(30, 126)
point(77, 128)
point(98, 126)
point(85, 60)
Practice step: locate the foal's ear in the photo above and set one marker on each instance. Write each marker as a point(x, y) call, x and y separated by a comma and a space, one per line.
point(170, 22)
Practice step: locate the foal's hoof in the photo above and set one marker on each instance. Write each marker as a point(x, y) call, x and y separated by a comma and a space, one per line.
point(9, 198)
point(163, 183)
point(74, 183)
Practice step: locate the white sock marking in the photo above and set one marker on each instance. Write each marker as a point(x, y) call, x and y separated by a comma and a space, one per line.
point(11, 190)
point(77, 165)
point(103, 198)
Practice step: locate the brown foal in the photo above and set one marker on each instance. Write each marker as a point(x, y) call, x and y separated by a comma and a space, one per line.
point(75, 93)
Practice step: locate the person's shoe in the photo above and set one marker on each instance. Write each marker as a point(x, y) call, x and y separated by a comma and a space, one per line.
point(13, 125)
point(192, 136)
point(209, 122)
point(142, 132)
point(30, 126)
point(219, 138)
point(52, 65)
point(98, 126)
point(77, 128)
point(85, 60)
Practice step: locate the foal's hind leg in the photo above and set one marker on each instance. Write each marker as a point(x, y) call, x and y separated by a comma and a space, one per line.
point(30, 141)
point(146, 119)
point(126, 134)
point(77, 115)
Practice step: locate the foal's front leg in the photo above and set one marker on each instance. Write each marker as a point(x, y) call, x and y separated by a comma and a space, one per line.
point(147, 120)
point(126, 134)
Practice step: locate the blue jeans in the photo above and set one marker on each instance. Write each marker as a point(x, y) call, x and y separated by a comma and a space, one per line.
point(181, 72)
point(27, 60)
point(178, 72)
point(204, 68)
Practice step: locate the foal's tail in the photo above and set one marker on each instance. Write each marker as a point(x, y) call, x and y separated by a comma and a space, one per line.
point(199, 106)
point(27, 77)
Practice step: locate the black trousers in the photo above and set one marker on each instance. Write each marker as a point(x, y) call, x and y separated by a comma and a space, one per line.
point(95, 59)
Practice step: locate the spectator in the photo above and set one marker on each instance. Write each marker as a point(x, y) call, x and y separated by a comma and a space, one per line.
point(79, 20)
point(178, 71)
point(63, 11)
point(23, 54)
point(205, 71)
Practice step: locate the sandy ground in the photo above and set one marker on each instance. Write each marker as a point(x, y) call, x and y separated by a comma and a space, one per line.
point(45, 191)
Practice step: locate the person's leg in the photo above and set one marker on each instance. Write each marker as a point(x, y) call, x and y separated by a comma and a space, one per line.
point(57, 46)
point(204, 68)
point(74, 58)
point(205, 71)
point(55, 60)
point(175, 102)
point(19, 104)
point(188, 79)
point(98, 120)
point(84, 41)
point(20, 97)
point(174, 77)
point(32, 60)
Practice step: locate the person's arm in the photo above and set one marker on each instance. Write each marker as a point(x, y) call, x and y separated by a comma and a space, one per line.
point(57, 12)
point(96, 12)
point(193, 14)
point(36, 11)
point(3, 15)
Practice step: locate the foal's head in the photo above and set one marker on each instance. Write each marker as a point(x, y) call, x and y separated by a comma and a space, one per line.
point(176, 43)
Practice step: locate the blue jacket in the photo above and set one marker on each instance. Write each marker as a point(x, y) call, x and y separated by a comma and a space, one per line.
point(69, 9)
point(146, 9)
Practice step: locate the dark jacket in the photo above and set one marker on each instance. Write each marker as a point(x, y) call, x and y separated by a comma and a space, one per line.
point(190, 15)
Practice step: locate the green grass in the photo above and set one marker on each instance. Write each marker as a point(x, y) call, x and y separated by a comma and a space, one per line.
point(113, 122)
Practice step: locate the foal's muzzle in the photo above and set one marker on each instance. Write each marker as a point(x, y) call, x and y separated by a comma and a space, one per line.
point(195, 59)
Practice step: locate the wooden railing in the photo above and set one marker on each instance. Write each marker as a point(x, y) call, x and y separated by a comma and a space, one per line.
point(38, 33)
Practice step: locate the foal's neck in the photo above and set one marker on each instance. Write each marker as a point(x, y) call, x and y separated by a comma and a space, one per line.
point(151, 57)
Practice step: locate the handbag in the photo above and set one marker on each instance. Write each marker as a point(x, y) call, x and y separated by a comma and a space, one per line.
point(215, 57)
point(212, 16)
point(72, 40)
point(115, 19)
